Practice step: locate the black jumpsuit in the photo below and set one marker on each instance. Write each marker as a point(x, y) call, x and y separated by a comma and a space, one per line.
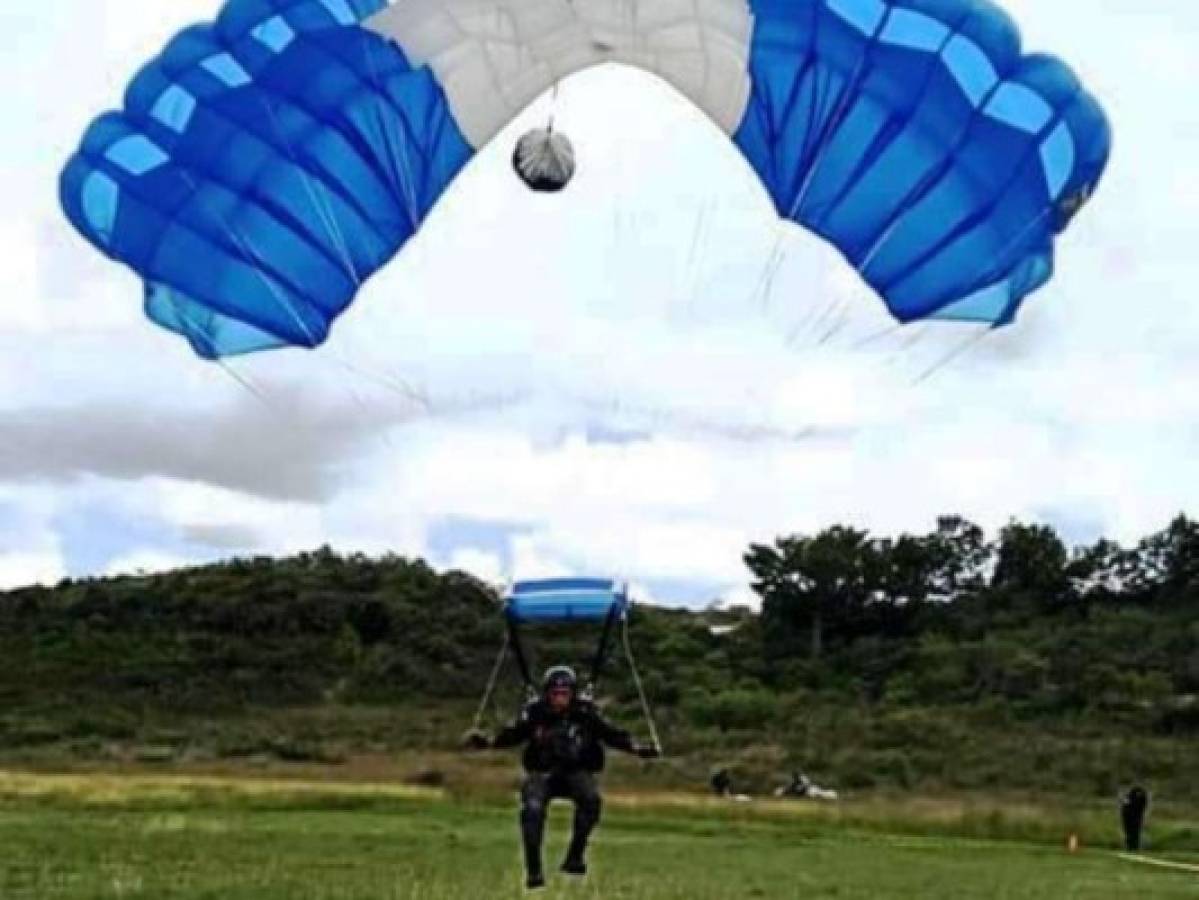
point(1132, 816)
point(562, 754)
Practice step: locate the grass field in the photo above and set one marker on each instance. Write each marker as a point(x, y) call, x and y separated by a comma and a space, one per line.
point(94, 836)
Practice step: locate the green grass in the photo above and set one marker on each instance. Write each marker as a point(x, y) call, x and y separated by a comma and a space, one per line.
point(91, 836)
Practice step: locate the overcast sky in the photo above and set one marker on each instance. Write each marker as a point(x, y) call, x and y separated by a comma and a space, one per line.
point(638, 377)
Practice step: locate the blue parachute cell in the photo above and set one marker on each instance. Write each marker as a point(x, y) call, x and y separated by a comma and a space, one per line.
point(265, 165)
point(917, 139)
point(565, 599)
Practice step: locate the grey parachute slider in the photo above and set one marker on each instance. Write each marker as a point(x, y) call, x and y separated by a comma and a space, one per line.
point(544, 159)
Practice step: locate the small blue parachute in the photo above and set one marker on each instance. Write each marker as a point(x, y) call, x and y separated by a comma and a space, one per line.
point(599, 600)
point(264, 166)
point(603, 601)
point(566, 599)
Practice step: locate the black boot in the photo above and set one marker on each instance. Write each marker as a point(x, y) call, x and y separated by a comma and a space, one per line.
point(587, 815)
point(574, 865)
point(576, 855)
point(534, 877)
point(532, 830)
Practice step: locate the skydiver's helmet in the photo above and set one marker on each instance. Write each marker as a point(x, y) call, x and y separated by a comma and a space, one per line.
point(560, 677)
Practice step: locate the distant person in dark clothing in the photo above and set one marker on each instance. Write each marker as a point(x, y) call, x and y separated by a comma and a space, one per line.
point(800, 786)
point(721, 783)
point(803, 788)
point(1133, 806)
point(564, 738)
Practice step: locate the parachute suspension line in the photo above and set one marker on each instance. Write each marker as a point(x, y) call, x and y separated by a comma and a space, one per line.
point(699, 239)
point(249, 254)
point(918, 334)
point(619, 224)
point(645, 710)
point(813, 322)
point(549, 125)
point(522, 661)
point(808, 321)
point(954, 354)
point(875, 337)
point(895, 346)
point(764, 287)
point(842, 317)
point(391, 139)
point(492, 681)
point(287, 305)
point(414, 214)
point(280, 297)
point(324, 212)
point(245, 382)
point(601, 650)
point(393, 383)
point(698, 235)
point(383, 434)
point(911, 336)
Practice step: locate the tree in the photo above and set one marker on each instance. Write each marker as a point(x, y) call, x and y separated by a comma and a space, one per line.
point(962, 558)
point(912, 571)
point(1030, 570)
point(1166, 568)
point(816, 586)
point(1100, 573)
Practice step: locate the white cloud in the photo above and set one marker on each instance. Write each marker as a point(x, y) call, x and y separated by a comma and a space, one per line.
point(21, 280)
point(30, 551)
point(531, 560)
point(487, 567)
point(188, 504)
point(20, 569)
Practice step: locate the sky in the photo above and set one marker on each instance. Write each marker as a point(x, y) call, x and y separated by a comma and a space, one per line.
point(637, 377)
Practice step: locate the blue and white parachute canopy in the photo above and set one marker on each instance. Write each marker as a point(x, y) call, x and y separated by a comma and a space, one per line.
point(565, 600)
point(265, 165)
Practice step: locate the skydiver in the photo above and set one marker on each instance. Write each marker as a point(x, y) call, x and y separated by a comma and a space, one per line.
point(564, 737)
point(721, 783)
point(1132, 816)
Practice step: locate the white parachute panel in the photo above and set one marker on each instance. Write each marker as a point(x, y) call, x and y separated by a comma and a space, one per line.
point(494, 57)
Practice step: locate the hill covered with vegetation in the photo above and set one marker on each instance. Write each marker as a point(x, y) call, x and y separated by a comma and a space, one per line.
point(940, 662)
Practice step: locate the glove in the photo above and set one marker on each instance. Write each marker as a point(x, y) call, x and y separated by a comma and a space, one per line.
point(476, 740)
point(647, 751)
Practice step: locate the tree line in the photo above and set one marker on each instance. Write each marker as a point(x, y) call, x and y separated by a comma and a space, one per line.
point(915, 656)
